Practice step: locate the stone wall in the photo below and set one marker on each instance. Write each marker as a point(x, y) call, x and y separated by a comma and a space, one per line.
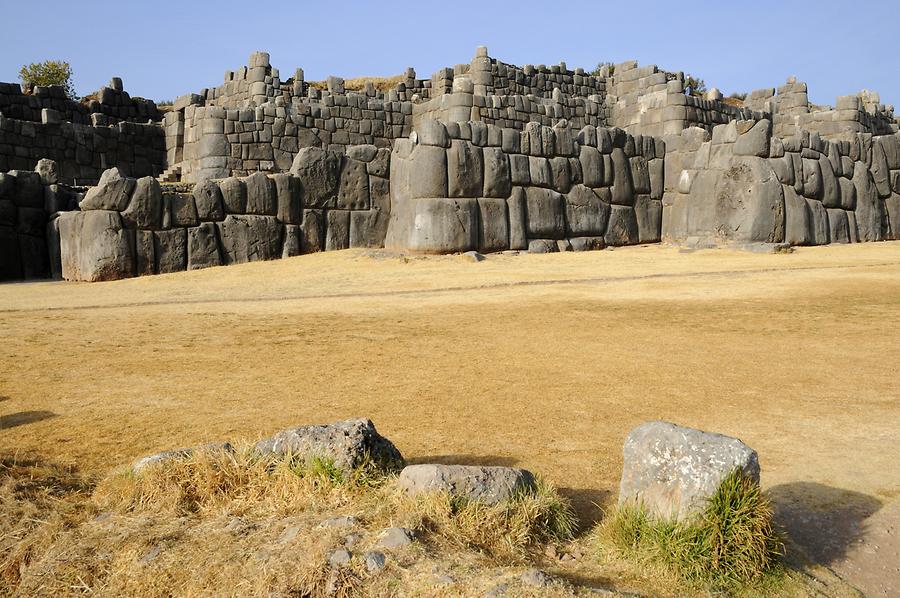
point(745, 185)
point(126, 227)
point(467, 186)
point(29, 202)
point(83, 152)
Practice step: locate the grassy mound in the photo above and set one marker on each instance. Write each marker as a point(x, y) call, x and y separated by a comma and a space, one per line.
point(733, 542)
point(218, 519)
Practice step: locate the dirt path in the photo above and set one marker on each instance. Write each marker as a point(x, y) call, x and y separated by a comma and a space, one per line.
point(541, 361)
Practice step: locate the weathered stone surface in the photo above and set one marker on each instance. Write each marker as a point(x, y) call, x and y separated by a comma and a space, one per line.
point(292, 239)
point(519, 170)
point(812, 179)
point(465, 169)
point(368, 228)
point(755, 141)
point(848, 193)
point(145, 255)
point(489, 485)
point(170, 250)
point(432, 132)
point(640, 175)
point(319, 172)
point(48, 171)
point(203, 247)
point(516, 207)
point(591, 166)
point(348, 445)
point(657, 168)
point(797, 218)
point(622, 228)
point(648, 213)
point(622, 190)
point(261, 199)
point(539, 172)
point(673, 470)
point(545, 214)
point(312, 238)
point(208, 200)
point(880, 172)
point(818, 223)
point(493, 225)
point(870, 216)
point(586, 214)
point(892, 209)
point(337, 230)
point(395, 537)
point(421, 173)
point(249, 238)
point(496, 173)
point(288, 194)
point(181, 208)
point(234, 195)
point(111, 193)
point(543, 246)
point(353, 188)
point(434, 225)
point(838, 226)
point(831, 190)
point(587, 243)
point(561, 175)
point(95, 246)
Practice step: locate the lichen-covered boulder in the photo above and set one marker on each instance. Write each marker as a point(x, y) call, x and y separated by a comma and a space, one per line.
point(348, 445)
point(672, 470)
point(488, 485)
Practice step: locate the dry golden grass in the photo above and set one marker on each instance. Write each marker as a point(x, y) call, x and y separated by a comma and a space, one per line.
point(382, 84)
point(541, 361)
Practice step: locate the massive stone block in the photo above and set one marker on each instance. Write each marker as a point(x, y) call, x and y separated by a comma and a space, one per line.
point(819, 228)
point(496, 173)
point(622, 228)
point(797, 218)
point(111, 193)
point(170, 250)
point(368, 228)
point(838, 226)
point(208, 199)
point(95, 246)
point(203, 247)
point(622, 189)
point(312, 238)
point(261, 198)
point(337, 230)
point(234, 195)
point(319, 172)
point(249, 238)
point(288, 193)
point(518, 236)
point(493, 225)
point(586, 213)
point(145, 209)
point(465, 169)
point(591, 166)
point(648, 213)
point(434, 225)
point(870, 217)
point(545, 214)
point(353, 187)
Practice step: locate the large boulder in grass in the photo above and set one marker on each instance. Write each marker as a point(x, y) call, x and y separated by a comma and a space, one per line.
point(672, 470)
point(489, 485)
point(348, 445)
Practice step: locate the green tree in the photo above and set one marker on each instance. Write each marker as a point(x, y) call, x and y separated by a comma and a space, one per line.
point(611, 67)
point(694, 86)
point(48, 72)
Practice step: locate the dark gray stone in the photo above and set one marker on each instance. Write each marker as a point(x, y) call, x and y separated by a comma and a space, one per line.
point(493, 225)
point(170, 250)
point(113, 192)
point(249, 238)
point(337, 231)
point(234, 195)
point(203, 247)
point(208, 200)
point(489, 485)
point(586, 213)
point(319, 172)
point(145, 209)
point(261, 199)
point(622, 228)
point(545, 214)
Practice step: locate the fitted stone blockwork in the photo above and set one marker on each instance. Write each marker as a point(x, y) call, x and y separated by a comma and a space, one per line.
point(485, 155)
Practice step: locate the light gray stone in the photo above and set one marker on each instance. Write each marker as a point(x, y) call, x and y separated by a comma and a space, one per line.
point(312, 229)
point(203, 247)
point(496, 173)
point(755, 140)
point(465, 169)
point(516, 208)
point(249, 238)
point(95, 246)
point(493, 225)
point(319, 172)
point(672, 470)
point(489, 485)
point(395, 537)
point(348, 445)
point(870, 215)
point(177, 454)
point(838, 226)
point(797, 218)
point(353, 188)
point(113, 192)
point(337, 230)
point(818, 220)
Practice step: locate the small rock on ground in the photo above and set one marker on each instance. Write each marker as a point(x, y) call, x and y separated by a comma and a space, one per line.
point(345, 521)
point(339, 557)
point(536, 578)
point(396, 537)
point(375, 561)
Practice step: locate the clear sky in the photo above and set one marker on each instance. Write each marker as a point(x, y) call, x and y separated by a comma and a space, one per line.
point(163, 49)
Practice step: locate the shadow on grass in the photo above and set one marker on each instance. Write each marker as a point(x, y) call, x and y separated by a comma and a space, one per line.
point(23, 417)
point(822, 521)
point(589, 504)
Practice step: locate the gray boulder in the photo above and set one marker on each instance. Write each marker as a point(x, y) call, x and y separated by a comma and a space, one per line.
point(234, 195)
point(176, 454)
point(672, 470)
point(145, 209)
point(353, 187)
point(870, 214)
point(348, 444)
point(261, 199)
point(797, 218)
point(203, 247)
point(111, 193)
point(249, 238)
point(208, 200)
point(319, 172)
point(497, 181)
point(488, 485)
point(622, 228)
point(586, 213)
point(545, 214)
point(465, 169)
point(170, 249)
point(838, 226)
point(95, 246)
point(48, 170)
point(396, 537)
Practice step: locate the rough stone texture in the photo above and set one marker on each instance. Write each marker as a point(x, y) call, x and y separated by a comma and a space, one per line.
point(234, 195)
point(95, 246)
point(434, 225)
point(172, 455)
point(170, 249)
point(673, 470)
point(493, 225)
point(622, 228)
point(289, 199)
point(319, 172)
point(348, 444)
point(337, 230)
point(353, 187)
point(586, 213)
point(797, 218)
point(648, 213)
point(545, 214)
point(261, 198)
point(838, 226)
point(516, 205)
point(465, 169)
point(312, 229)
point(203, 247)
point(395, 537)
point(111, 193)
point(497, 181)
point(249, 238)
point(208, 200)
point(489, 485)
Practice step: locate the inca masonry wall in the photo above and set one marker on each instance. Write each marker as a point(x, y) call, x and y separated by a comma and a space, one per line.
point(483, 155)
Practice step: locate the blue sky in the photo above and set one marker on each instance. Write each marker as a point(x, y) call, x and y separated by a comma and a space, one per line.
point(163, 49)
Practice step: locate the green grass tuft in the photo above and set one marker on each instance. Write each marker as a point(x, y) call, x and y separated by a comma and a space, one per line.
point(731, 543)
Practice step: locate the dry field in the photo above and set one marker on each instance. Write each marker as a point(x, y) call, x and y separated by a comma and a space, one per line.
point(539, 361)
